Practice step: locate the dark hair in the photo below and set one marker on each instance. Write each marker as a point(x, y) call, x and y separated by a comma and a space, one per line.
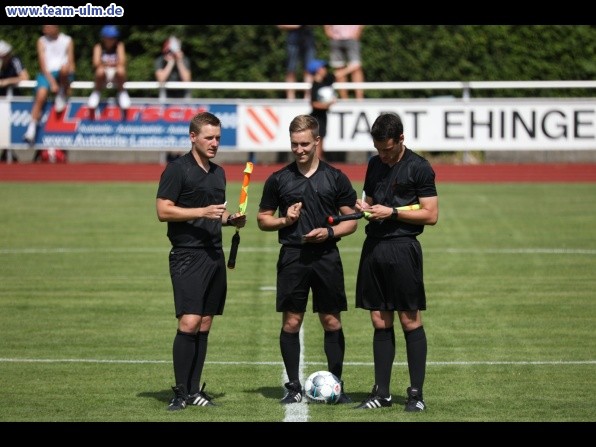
point(387, 126)
point(305, 122)
point(203, 119)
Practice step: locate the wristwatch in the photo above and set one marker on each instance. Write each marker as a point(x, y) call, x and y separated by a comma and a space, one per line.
point(394, 214)
point(229, 220)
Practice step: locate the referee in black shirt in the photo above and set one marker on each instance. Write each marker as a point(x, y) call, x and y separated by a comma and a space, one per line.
point(390, 271)
point(306, 192)
point(191, 199)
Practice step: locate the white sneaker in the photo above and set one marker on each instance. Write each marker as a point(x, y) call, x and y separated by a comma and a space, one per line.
point(60, 102)
point(94, 98)
point(123, 100)
point(29, 136)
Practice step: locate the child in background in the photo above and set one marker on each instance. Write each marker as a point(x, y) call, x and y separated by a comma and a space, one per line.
point(109, 62)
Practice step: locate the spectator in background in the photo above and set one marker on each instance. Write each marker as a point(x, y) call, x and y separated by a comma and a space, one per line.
point(12, 72)
point(322, 97)
point(344, 51)
point(109, 63)
point(322, 81)
point(173, 66)
point(300, 47)
point(55, 51)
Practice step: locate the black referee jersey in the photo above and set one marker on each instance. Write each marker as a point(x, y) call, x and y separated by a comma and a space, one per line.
point(186, 184)
point(398, 185)
point(321, 194)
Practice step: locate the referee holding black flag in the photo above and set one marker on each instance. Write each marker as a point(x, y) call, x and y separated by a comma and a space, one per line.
point(191, 199)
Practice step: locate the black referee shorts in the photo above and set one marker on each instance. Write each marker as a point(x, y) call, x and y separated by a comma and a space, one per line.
point(199, 280)
point(390, 275)
point(310, 267)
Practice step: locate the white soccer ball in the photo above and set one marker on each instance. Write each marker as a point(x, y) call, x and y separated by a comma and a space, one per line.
point(326, 94)
point(322, 387)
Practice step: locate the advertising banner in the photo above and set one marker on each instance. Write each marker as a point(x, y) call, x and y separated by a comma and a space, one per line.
point(450, 124)
point(141, 127)
point(435, 125)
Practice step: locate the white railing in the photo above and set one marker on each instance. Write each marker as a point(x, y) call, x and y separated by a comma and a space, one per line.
point(465, 87)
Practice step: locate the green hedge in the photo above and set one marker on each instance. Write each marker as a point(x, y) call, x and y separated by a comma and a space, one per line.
point(257, 53)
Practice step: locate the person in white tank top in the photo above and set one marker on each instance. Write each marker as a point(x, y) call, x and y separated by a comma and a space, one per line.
point(55, 51)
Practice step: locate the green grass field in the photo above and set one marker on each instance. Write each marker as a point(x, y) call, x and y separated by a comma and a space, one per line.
point(87, 318)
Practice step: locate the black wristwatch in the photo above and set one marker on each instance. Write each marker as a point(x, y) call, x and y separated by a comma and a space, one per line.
point(330, 233)
point(394, 214)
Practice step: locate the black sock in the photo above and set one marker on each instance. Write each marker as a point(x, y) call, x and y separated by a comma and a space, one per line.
point(183, 353)
point(416, 350)
point(198, 363)
point(383, 355)
point(290, 352)
point(335, 347)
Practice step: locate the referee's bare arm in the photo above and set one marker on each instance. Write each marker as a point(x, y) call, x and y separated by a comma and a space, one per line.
point(267, 220)
point(428, 214)
point(168, 211)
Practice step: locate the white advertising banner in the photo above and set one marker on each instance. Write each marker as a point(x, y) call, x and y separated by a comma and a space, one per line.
point(4, 123)
point(434, 125)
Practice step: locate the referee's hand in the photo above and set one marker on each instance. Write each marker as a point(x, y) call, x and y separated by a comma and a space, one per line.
point(238, 220)
point(293, 213)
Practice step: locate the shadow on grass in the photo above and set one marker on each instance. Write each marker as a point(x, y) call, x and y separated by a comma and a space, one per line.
point(269, 392)
point(277, 393)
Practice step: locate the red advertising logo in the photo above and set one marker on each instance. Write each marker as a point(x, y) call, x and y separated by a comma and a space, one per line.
point(262, 124)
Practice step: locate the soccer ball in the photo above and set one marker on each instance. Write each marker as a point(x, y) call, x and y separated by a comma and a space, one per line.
point(326, 94)
point(322, 387)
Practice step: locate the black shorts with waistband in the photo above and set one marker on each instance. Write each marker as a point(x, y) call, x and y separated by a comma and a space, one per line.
point(390, 275)
point(199, 280)
point(310, 267)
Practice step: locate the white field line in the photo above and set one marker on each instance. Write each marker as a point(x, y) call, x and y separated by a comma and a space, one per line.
point(302, 363)
point(71, 250)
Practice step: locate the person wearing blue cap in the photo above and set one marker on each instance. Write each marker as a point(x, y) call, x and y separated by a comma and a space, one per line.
point(109, 62)
point(322, 95)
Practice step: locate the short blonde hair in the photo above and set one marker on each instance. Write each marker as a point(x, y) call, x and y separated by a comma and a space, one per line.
point(305, 122)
